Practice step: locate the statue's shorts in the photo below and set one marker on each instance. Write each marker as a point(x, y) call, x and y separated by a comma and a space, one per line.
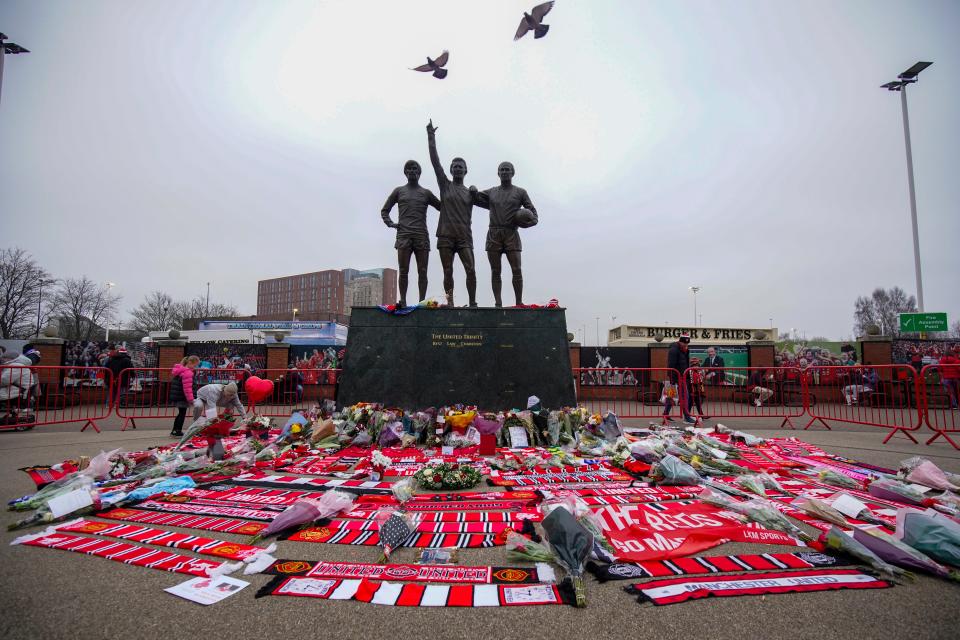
point(503, 239)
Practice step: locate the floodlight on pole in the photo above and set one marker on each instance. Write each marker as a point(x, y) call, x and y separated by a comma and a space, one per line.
point(695, 289)
point(110, 285)
point(8, 47)
point(294, 315)
point(900, 84)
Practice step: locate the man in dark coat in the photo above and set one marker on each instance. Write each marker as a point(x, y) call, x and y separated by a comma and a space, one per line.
point(117, 363)
point(713, 360)
point(678, 360)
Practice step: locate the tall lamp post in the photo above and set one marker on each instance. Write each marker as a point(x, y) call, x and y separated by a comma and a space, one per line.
point(5, 48)
point(900, 84)
point(110, 285)
point(695, 289)
point(294, 317)
point(42, 283)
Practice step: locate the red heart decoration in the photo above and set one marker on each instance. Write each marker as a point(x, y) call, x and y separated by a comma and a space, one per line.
point(258, 389)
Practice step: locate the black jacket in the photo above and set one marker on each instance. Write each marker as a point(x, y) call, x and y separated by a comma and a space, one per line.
point(118, 363)
point(718, 376)
point(677, 359)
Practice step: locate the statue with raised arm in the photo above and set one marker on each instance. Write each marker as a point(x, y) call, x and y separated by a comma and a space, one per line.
point(411, 225)
point(454, 233)
point(510, 209)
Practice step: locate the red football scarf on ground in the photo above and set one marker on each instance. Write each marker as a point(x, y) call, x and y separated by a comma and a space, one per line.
point(433, 573)
point(204, 523)
point(328, 535)
point(522, 497)
point(709, 564)
point(126, 553)
point(417, 595)
point(425, 527)
point(673, 590)
point(164, 538)
point(304, 482)
point(637, 495)
point(42, 475)
point(659, 531)
point(580, 486)
point(252, 495)
point(208, 510)
point(462, 516)
point(553, 478)
point(206, 502)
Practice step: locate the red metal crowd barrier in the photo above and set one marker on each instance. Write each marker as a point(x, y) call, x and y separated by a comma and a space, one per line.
point(32, 396)
point(940, 394)
point(144, 393)
point(746, 392)
point(885, 396)
point(630, 392)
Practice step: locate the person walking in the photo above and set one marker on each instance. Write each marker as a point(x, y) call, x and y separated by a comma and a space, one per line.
point(678, 361)
point(181, 391)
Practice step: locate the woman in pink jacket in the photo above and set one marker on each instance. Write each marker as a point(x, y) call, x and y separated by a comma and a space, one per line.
point(181, 391)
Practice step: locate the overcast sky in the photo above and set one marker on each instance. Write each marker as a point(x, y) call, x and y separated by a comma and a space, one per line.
point(742, 146)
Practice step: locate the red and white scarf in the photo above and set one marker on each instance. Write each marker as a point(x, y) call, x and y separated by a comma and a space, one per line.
point(203, 523)
point(710, 564)
point(124, 552)
point(674, 590)
point(418, 595)
point(328, 535)
point(415, 572)
point(164, 538)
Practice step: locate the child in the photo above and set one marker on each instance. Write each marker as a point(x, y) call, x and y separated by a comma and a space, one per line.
point(697, 391)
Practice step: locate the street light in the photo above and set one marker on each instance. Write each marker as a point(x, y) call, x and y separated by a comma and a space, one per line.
point(613, 323)
point(900, 84)
point(5, 48)
point(598, 331)
point(695, 289)
point(110, 285)
point(40, 292)
point(294, 316)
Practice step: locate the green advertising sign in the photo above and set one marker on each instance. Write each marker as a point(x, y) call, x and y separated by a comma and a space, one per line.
point(917, 322)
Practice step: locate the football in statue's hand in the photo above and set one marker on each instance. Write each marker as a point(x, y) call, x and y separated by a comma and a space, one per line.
point(524, 218)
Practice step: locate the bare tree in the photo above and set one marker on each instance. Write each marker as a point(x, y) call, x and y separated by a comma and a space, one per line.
point(83, 307)
point(955, 329)
point(197, 308)
point(21, 280)
point(882, 308)
point(155, 313)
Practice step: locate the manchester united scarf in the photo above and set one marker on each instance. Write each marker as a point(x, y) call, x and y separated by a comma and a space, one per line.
point(533, 515)
point(553, 478)
point(164, 538)
point(208, 510)
point(425, 527)
point(265, 480)
point(124, 552)
point(42, 474)
point(418, 595)
point(709, 564)
point(667, 530)
point(329, 535)
point(204, 523)
point(415, 572)
point(674, 590)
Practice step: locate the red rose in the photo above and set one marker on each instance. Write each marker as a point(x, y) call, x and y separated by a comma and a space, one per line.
point(437, 478)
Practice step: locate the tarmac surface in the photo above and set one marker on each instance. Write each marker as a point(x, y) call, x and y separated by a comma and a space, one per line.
point(54, 594)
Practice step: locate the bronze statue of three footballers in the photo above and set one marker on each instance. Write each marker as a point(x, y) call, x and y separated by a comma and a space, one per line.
point(510, 209)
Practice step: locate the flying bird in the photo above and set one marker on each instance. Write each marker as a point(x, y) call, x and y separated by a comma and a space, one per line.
point(436, 65)
point(533, 20)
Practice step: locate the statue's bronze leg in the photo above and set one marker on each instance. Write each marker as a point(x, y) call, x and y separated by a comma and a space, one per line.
point(513, 257)
point(466, 257)
point(446, 259)
point(403, 261)
point(422, 256)
point(494, 257)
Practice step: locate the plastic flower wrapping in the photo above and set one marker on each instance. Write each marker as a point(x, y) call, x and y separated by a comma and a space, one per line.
point(888, 489)
point(837, 479)
point(838, 541)
point(673, 471)
point(922, 471)
point(521, 548)
point(752, 484)
point(394, 527)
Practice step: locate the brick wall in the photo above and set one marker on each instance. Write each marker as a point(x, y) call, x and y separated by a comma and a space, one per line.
point(278, 356)
point(169, 353)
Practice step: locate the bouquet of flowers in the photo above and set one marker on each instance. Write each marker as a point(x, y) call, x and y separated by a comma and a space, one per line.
point(379, 462)
point(460, 419)
point(837, 540)
point(672, 470)
point(447, 476)
point(837, 479)
point(524, 549)
point(394, 527)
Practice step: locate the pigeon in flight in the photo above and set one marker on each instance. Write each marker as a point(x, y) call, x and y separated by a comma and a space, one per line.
point(533, 20)
point(435, 65)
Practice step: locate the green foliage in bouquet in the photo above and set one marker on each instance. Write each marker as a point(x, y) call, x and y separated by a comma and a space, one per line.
point(447, 476)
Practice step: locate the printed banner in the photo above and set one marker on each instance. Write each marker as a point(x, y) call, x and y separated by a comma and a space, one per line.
point(674, 590)
point(208, 510)
point(126, 553)
point(417, 595)
point(659, 531)
point(462, 516)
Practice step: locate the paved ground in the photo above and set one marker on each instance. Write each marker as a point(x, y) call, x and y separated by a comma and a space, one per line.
point(52, 594)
